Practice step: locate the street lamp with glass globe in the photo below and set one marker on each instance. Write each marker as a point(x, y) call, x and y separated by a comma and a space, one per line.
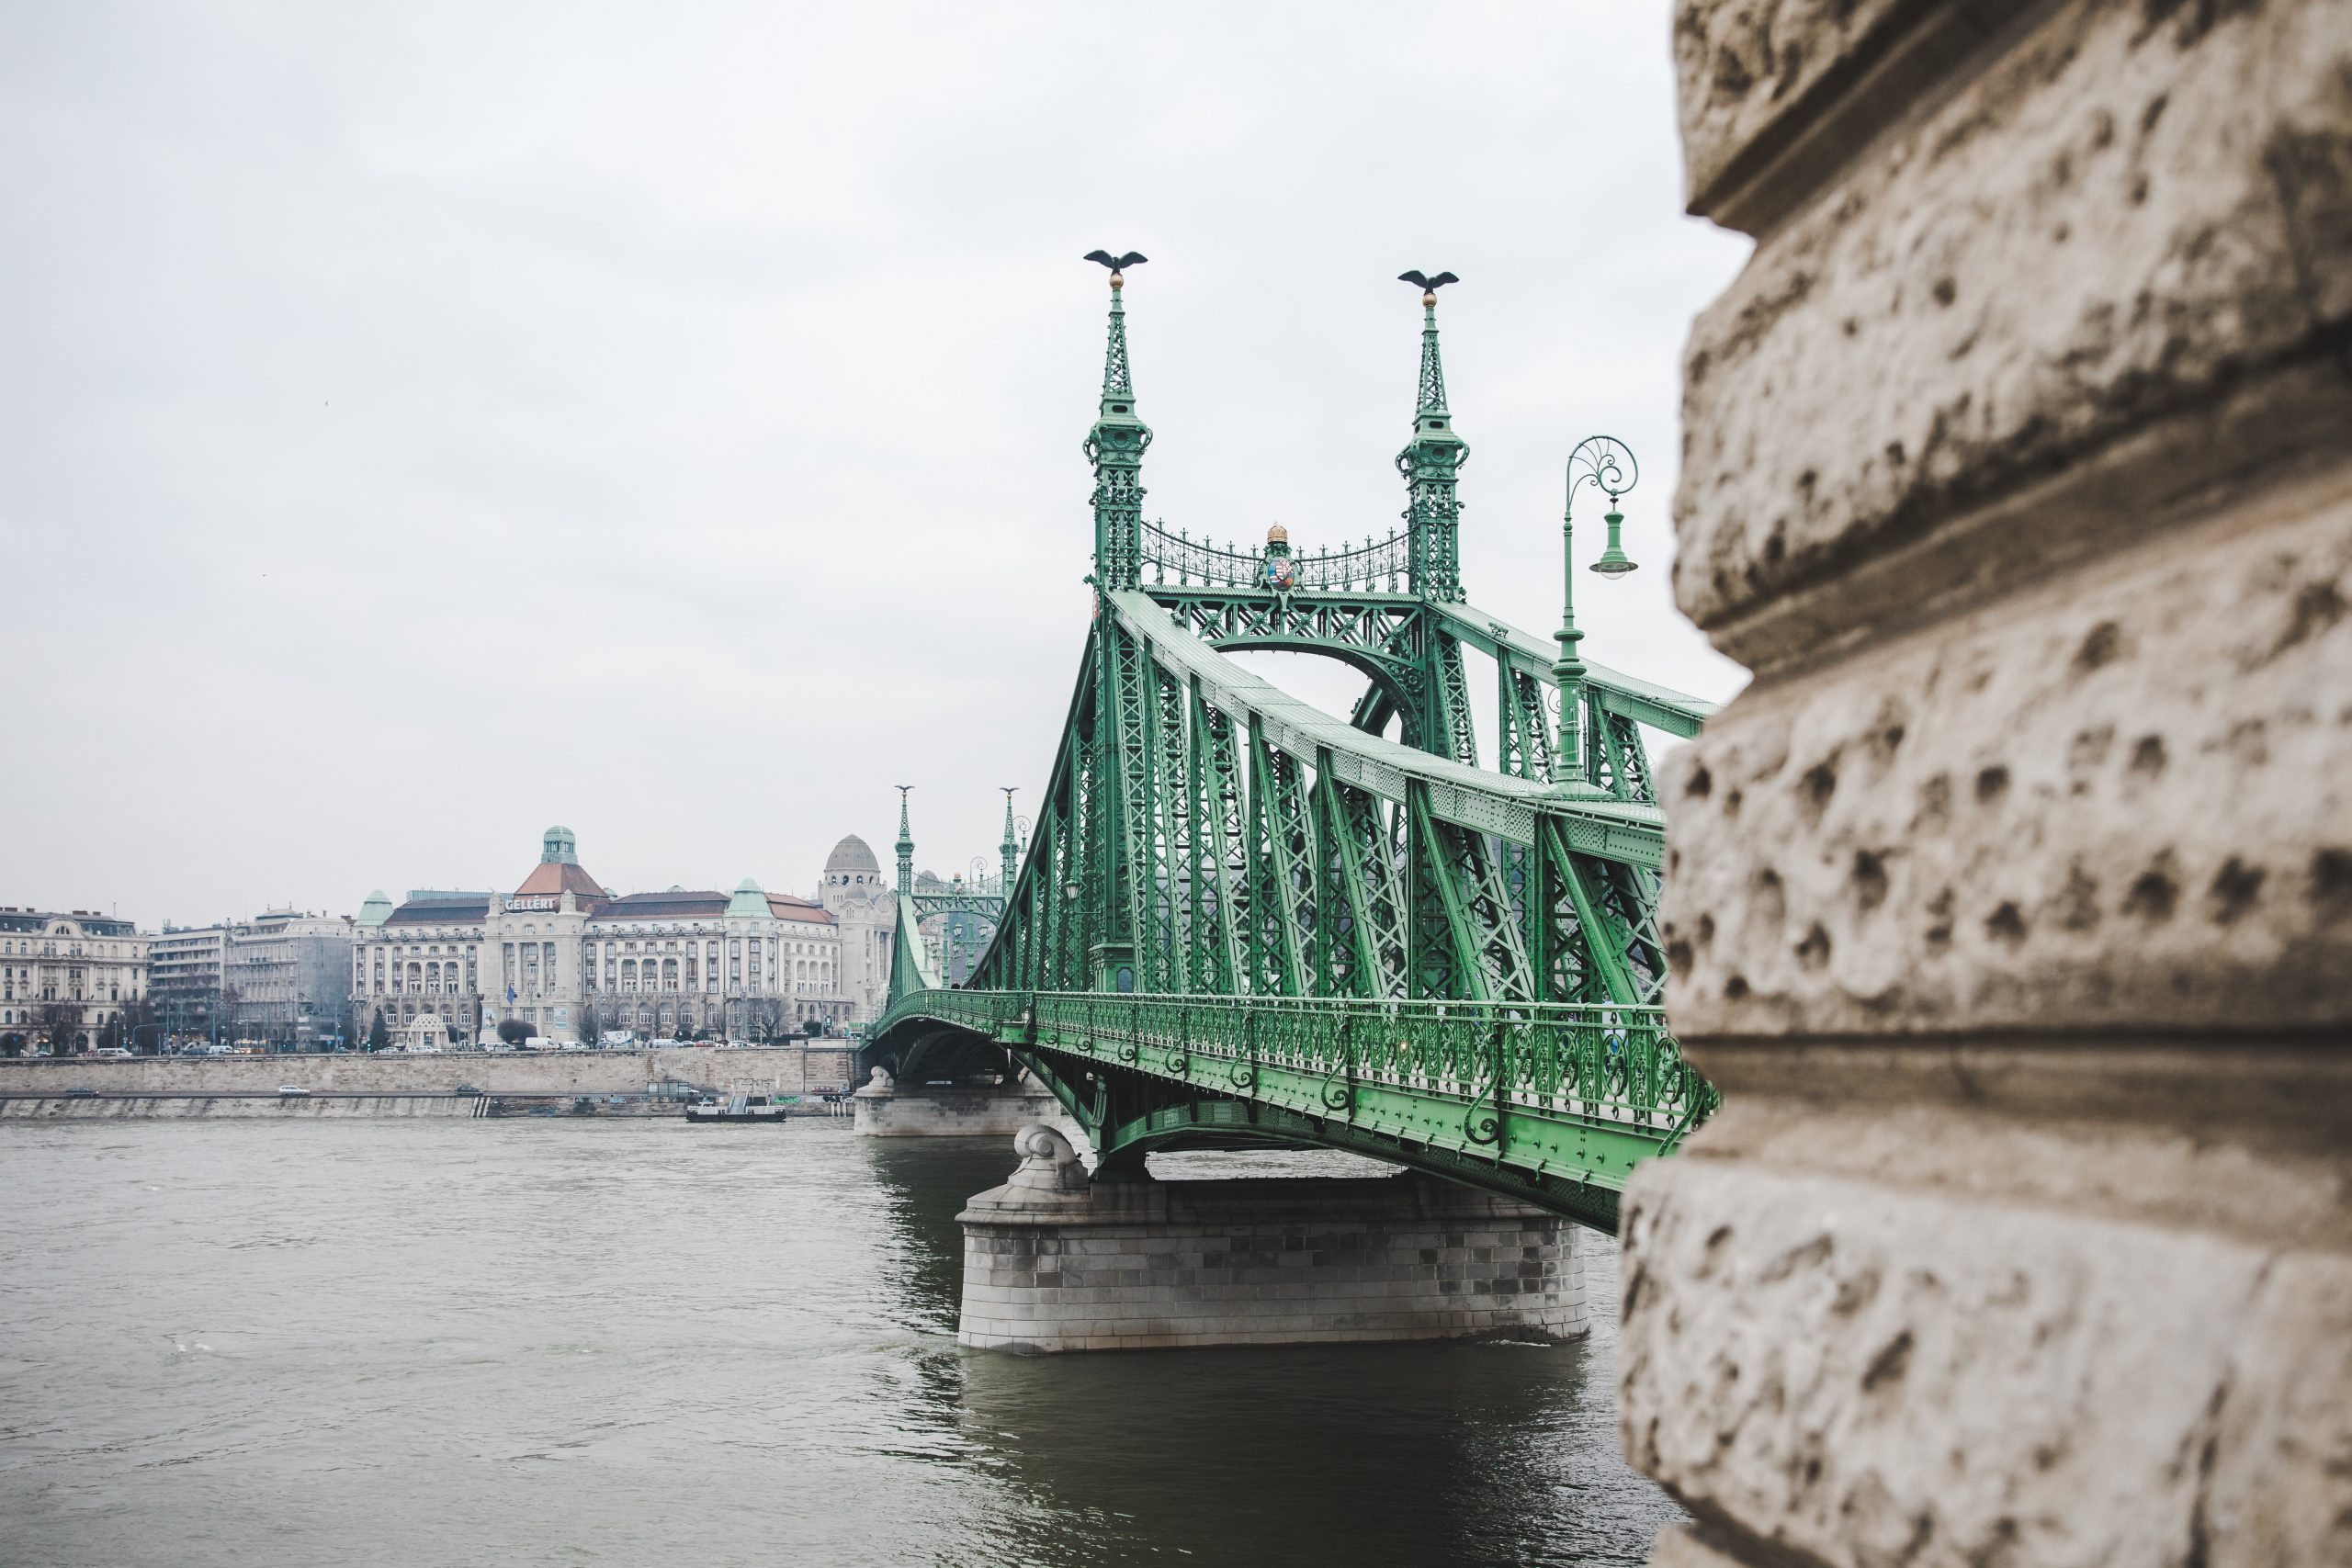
point(1606, 464)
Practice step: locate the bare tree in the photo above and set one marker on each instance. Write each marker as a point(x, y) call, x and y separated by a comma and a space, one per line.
point(60, 1021)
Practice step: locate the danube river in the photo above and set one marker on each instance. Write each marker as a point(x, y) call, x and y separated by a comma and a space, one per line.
point(418, 1343)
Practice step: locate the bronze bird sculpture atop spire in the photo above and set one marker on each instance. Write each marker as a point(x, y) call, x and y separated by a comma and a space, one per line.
point(1428, 286)
point(1117, 264)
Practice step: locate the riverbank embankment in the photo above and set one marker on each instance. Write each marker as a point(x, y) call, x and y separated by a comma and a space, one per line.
point(396, 1084)
point(217, 1106)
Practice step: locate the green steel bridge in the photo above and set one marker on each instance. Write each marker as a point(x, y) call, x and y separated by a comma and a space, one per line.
point(1241, 921)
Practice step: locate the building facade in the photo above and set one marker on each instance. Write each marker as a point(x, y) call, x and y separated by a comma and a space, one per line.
point(279, 979)
point(574, 962)
point(864, 907)
point(66, 977)
point(186, 970)
point(285, 978)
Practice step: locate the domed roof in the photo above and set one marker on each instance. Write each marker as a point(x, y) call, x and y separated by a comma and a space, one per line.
point(851, 856)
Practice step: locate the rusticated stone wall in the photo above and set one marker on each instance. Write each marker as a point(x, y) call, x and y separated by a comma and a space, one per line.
point(2011, 906)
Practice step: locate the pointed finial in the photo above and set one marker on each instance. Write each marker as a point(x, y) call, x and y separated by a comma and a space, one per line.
point(1010, 848)
point(1118, 382)
point(1431, 403)
point(906, 846)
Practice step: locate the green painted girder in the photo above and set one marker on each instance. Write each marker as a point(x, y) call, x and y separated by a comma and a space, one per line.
point(1470, 796)
point(987, 905)
point(1409, 648)
point(1215, 835)
point(1644, 702)
point(1556, 1104)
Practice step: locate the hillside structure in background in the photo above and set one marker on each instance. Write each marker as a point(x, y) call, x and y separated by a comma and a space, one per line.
point(66, 977)
point(575, 962)
point(2010, 907)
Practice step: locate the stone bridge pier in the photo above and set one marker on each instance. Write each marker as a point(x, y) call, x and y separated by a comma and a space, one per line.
point(1057, 1260)
point(2010, 907)
point(884, 1109)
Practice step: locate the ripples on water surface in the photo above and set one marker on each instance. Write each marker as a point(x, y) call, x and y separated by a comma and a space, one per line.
point(417, 1343)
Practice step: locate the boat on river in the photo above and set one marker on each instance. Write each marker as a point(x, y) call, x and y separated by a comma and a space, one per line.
point(770, 1108)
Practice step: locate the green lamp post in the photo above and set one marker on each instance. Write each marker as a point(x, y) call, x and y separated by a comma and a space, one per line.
point(1607, 464)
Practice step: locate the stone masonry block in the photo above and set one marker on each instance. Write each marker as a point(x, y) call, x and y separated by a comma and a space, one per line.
point(2134, 222)
point(1864, 1374)
point(2118, 801)
point(2280, 1460)
point(1776, 95)
point(1679, 1546)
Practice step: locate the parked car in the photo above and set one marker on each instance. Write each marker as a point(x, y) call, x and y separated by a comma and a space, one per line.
point(81, 1091)
point(292, 1091)
point(111, 1051)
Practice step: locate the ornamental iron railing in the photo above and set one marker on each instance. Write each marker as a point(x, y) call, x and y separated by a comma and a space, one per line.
point(1611, 1064)
point(1178, 560)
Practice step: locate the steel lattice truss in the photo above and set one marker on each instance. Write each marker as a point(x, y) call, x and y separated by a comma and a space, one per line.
point(1240, 919)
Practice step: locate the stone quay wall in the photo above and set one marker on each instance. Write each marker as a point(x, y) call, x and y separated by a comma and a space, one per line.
point(747, 1071)
point(237, 1107)
point(2011, 904)
point(1145, 1264)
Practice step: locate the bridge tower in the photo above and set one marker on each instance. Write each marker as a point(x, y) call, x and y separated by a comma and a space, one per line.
point(1115, 447)
point(1431, 463)
point(906, 847)
point(1009, 849)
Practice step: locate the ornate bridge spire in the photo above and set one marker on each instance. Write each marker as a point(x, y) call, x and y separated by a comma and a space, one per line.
point(906, 847)
point(1115, 447)
point(1430, 462)
point(1432, 405)
point(1010, 849)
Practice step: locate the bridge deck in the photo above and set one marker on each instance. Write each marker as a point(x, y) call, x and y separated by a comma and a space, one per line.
point(1554, 1103)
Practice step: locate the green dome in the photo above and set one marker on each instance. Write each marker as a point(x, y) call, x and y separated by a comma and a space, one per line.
point(747, 901)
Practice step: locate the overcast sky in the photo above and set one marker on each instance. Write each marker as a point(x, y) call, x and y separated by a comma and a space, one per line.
point(421, 424)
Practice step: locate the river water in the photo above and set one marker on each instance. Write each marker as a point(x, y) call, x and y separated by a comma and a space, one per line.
point(635, 1343)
